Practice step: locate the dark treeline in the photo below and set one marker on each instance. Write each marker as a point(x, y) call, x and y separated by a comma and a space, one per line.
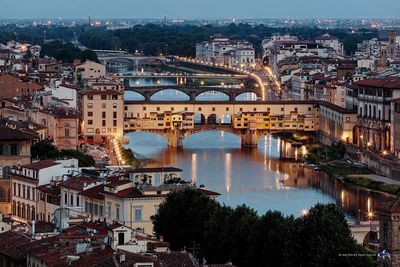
point(152, 39)
point(189, 219)
point(67, 52)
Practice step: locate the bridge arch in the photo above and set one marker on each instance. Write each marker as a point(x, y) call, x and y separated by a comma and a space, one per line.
point(199, 119)
point(218, 95)
point(213, 119)
point(247, 96)
point(133, 95)
point(180, 95)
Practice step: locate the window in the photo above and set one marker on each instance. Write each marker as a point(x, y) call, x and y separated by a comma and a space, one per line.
point(103, 114)
point(86, 207)
point(114, 115)
point(72, 200)
point(90, 105)
point(77, 200)
point(138, 214)
point(103, 97)
point(114, 97)
point(103, 105)
point(66, 129)
point(103, 123)
point(19, 190)
point(65, 198)
point(90, 113)
point(114, 105)
point(95, 209)
point(14, 149)
point(90, 122)
point(100, 210)
point(28, 192)
point(90, 97)
point(15, 189)
point(109, 214)
point(23, 191)
point(115, 123)
point(117, 211)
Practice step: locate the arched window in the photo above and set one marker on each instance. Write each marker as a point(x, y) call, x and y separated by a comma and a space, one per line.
point(374, 112)
point(365, 110)
point(67, 127)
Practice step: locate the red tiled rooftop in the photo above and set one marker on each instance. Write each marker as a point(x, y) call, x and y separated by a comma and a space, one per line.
point(7, 133)
point(50, 189)
point(387, 83)
point(95, 192)
point(78, 183)
point(43, 164)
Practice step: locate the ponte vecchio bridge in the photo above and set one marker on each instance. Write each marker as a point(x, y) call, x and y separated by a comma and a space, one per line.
point(249, 120)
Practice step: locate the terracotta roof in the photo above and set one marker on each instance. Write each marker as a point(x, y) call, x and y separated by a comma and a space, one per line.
point(387, 83)
point(95, 192)
point(78, 183)
point(10, 243)
point(6, 133)
point(115, 225)
point(131, 192)
point(50, 189)
point(209, 192)
point(176, 259)
point(43, 227)
point(43, 164)
point(336, 108)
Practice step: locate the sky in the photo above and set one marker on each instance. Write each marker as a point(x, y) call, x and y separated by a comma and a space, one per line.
point(199, 9)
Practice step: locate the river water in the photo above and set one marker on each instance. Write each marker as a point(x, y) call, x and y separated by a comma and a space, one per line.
point(265, 178)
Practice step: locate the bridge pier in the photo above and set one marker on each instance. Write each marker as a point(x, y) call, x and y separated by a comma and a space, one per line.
point(175, 138)
point(249, 138)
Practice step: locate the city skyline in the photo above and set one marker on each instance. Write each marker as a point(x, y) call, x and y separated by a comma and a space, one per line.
point(206, 9)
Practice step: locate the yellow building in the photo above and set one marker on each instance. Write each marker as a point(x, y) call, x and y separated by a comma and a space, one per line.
point(102, 115)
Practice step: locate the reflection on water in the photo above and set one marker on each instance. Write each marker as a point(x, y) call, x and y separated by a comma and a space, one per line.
point(261, 178)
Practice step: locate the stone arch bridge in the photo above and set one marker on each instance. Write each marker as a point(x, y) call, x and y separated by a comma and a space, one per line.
point(191, 91)
point(250, 121)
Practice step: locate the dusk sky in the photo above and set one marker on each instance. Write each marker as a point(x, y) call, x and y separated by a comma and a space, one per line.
point(199, 8)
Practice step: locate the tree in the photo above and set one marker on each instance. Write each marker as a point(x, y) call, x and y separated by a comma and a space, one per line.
point(44, 149)
point(271, 241)
point(182, 218)
point(226, 234)
point(322, 236)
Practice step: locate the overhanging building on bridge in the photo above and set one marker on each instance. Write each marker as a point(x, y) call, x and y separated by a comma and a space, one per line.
point(248, 120)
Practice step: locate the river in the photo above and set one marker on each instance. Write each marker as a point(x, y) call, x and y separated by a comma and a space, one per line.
point(264, 178)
